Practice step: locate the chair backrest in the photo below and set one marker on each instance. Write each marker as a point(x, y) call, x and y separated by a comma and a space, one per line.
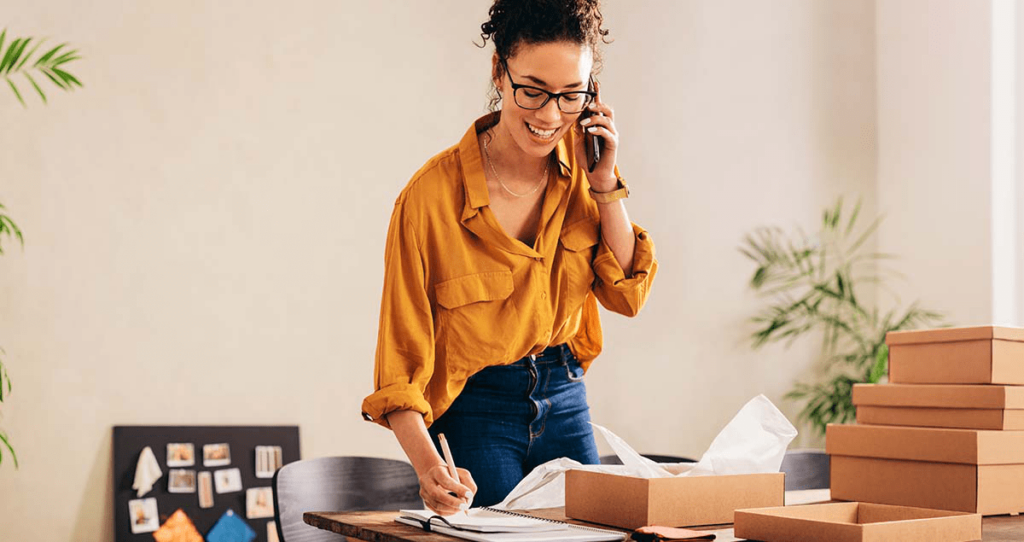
point(331, 484)
point(806, 469)
point(614, 459)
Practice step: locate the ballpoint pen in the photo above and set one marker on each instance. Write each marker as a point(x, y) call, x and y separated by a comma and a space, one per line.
point(451, 467)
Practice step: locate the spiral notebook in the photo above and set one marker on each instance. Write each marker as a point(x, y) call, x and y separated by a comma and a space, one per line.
point(489, 524)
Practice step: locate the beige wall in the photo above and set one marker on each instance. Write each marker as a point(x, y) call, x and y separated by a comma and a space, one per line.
point(934, 178)
point(205, 220)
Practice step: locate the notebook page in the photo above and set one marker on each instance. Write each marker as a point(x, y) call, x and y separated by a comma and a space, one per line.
point(568, 535)
point(487, 521)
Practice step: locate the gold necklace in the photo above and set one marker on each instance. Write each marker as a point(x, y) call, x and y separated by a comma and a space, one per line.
point(490, 162)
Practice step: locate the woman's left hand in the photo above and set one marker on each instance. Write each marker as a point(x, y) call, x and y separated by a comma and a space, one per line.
point(602, 123)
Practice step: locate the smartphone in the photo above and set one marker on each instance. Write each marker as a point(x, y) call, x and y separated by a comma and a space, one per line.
point(593, 143)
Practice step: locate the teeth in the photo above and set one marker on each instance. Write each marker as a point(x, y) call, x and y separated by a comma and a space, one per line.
point(545, 134)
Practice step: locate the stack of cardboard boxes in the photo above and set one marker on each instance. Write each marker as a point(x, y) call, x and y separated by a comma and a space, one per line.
point(947, 432)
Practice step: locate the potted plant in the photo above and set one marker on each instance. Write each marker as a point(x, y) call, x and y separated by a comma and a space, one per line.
point(17, 66)
point(812, 284)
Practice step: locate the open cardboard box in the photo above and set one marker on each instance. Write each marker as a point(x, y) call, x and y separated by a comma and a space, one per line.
point(947, 469)
point(959, 355)
point(630, 502)
point(856, 522)
point(940, 405)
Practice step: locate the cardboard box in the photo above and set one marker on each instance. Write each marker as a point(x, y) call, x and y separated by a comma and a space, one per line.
point(630, 502)
point(947, 469)
point(964, 446)
point(856, 522)
point(984, 489)
point(965, 355)
point(940, 405)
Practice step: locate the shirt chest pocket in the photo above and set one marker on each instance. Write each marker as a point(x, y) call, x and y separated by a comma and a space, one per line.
point(579, 242)
point(477, 319)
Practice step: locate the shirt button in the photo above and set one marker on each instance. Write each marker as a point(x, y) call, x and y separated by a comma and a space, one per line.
point(543, 295)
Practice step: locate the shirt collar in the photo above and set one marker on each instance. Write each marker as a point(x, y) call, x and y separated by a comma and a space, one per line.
point(473, 165)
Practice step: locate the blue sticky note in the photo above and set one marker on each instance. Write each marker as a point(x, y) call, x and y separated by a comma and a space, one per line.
point(230, 528)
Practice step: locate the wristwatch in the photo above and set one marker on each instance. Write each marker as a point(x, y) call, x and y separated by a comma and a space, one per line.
point(621, 191)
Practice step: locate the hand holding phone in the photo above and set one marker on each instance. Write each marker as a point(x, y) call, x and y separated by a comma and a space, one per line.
point(593, 143)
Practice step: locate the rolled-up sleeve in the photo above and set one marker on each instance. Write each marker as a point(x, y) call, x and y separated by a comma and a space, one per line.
point(617, 293)
point(405, 337)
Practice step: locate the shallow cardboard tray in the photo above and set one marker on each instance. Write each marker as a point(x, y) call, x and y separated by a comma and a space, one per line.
point(856, 522)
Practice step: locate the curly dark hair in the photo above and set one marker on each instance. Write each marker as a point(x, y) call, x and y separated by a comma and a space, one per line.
point(516, 22)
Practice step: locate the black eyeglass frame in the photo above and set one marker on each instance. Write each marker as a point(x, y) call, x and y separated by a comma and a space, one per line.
point(557, 96)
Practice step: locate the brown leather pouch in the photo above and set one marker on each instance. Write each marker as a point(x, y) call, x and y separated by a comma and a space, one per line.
point(654, 533)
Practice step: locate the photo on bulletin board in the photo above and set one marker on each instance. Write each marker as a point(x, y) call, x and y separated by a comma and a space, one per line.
point(268, 460)
point(259, 503)
point(181, 454)
point(181, 481)
point(144, 516)
point(216, 455)
point(227, 480)
point(205, 490)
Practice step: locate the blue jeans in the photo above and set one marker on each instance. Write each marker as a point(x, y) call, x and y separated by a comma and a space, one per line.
point(511, 418)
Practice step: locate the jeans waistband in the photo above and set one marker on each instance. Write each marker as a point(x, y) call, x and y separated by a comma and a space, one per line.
point(552, 354)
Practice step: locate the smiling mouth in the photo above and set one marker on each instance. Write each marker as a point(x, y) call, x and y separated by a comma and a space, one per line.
point(543, 134)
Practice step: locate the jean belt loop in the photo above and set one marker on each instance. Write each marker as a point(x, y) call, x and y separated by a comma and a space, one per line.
point(562, 356)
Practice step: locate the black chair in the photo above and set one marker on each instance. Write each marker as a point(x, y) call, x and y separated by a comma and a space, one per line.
point(806, 469)
point(614, 459)
point(331, 484)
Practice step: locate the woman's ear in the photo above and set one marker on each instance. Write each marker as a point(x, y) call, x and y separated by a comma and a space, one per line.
point(497, 75)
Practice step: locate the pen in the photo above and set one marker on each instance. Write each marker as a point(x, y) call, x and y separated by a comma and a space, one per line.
point(448, 459)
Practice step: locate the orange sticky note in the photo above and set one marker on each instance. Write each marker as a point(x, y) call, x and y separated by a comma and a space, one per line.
point(178, 528)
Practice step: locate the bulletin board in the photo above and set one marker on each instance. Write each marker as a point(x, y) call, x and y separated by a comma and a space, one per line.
point(129, 441)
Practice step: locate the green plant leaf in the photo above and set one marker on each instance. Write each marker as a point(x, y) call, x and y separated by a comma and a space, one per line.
point(36, 86)
point(29, 54)
point(16, 93)
point(3, 36)
point(48, 55)
point(881, 366)
point(53, 78)
point(65, 57)
point(853, 217)
point(67, 77)
point(7, 443)
point(7, 58)
point(18, 55)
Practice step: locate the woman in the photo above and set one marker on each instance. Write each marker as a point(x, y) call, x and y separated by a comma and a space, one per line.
point(498, 251)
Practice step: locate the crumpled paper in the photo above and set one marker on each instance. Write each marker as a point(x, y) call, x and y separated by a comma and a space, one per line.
point(147, 472)
point(755, 441)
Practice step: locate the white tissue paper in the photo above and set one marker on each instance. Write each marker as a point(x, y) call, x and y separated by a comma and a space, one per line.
point(147, 472)
point(755, 441)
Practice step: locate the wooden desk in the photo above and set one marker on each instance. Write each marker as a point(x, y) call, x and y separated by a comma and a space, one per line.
point(381, 526)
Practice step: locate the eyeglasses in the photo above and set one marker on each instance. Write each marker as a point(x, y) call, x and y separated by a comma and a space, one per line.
point(529, 97)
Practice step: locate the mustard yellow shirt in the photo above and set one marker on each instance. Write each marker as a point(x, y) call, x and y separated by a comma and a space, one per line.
point(461, 295)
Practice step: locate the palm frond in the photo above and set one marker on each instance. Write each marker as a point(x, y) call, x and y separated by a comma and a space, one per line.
point(9, 228)
point(15, 60)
